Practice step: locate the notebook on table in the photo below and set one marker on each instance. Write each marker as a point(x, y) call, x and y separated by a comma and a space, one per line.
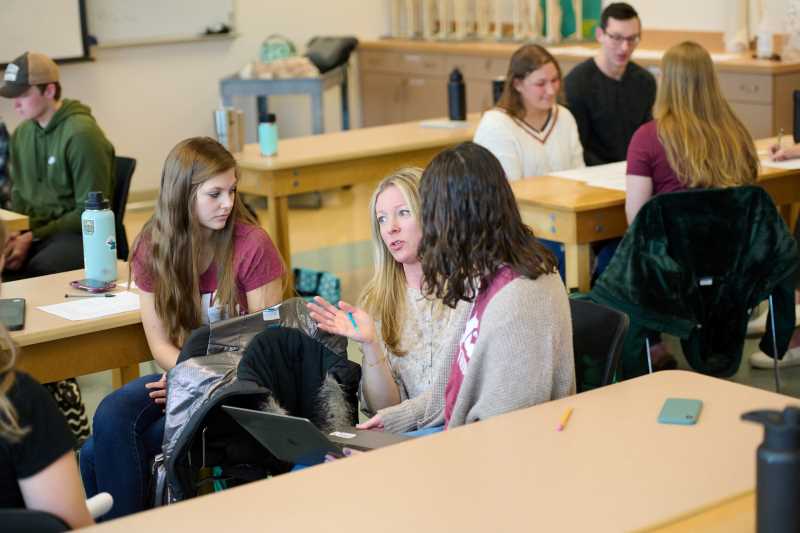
point(296, 440)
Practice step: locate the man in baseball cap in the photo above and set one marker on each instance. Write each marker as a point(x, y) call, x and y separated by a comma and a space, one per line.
point(58, 154)
point(28, 69)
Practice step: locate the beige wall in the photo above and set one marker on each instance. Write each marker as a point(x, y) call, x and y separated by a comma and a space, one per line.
point(148, 98)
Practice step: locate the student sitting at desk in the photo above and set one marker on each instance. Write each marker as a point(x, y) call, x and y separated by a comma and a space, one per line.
point(516, 349)
point(37, 464)
point(413, 335)
point(529, 132)
point(202, 257)
point(695, 141)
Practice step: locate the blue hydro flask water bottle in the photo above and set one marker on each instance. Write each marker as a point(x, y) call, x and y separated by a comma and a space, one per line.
point(99, 239)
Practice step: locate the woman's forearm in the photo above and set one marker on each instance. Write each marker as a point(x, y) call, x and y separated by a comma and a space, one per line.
point(378, 385)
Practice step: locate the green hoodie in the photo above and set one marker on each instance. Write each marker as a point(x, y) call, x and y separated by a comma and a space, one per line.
point(54, 168)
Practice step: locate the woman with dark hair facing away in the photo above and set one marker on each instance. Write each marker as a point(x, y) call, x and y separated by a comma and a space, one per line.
point(529, 132)
point(38, 470)
point(201, 258)
point(411, 336)
point(516, 349)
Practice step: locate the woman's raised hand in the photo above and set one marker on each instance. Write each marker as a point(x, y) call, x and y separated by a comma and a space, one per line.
point(344, 320)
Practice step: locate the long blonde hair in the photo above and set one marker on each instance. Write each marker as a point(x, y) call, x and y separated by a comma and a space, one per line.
point(9, 424)
point(384, 296)
point(174, 237)
point(706, 144)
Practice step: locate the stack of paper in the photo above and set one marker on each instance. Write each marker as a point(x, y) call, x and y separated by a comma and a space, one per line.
point(94, 307)
point(789, 164)
point(609, 176)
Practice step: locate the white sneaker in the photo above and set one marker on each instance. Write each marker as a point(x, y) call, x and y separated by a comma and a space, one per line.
point(758, 324)
point(761, 360)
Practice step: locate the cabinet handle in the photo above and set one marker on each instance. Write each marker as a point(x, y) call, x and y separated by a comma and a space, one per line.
point(750, 88)
point(416, 82)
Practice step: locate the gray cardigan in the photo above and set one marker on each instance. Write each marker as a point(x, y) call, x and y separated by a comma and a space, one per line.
point(523, 357)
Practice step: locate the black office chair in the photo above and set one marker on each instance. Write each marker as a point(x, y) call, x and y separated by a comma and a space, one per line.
point(25, 520)
point(598, 333)
point(124, 172)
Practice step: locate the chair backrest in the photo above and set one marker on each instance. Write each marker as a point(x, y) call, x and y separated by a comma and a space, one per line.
point(124, 172)
point(598, 333)
point(19, 520)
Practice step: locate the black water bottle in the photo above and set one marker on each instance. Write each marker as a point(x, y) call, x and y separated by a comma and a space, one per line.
point(456, 96)
point(778, 471)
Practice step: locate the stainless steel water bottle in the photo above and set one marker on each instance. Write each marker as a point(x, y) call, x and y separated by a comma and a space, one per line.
point(778, 471)
point(99, 239)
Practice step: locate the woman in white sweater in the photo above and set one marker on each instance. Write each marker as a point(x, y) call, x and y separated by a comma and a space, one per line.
point(529, 132)
point(411, 336)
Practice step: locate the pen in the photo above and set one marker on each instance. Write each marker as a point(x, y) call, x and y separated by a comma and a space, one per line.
point(564, 419)
point(352, 320)
point(104, 295)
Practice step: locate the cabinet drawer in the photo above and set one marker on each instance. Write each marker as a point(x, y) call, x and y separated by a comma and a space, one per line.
point(473, 67)
point(379, 61)
point(426, 64)
point(746, 87)
point(757, 118)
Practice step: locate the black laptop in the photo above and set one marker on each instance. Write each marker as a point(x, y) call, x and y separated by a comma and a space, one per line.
point(296, 440)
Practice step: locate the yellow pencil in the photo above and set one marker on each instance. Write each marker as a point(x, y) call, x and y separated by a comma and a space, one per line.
point(564, 419)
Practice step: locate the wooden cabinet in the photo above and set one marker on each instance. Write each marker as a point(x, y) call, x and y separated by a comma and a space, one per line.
point(407, 80)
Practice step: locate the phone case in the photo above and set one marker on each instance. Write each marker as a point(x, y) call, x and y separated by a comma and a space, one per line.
point(12, 313)
point(680, 411)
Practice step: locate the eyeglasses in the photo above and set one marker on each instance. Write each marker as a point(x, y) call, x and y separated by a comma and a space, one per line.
point(617, 39)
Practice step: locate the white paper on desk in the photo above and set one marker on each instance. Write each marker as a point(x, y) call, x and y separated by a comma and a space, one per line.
point(609, 176)
point(789, 164)
point(89, 308)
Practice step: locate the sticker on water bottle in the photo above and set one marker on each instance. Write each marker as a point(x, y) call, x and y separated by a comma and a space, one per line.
point(88, 227)
point(111, 243)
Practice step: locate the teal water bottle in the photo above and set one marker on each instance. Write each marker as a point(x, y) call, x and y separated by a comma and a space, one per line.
point(99, 239)
point(268, 134)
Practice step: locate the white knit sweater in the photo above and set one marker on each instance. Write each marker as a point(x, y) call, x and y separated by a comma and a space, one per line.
point(524, 152)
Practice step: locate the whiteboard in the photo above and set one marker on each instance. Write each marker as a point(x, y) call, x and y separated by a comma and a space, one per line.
point(122, 22)
point(52, 27)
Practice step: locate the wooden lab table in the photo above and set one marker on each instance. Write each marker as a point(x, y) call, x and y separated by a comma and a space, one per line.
point(13, 221)
point(54, 348)
point(577, 214)
point(333, 160)
point(613, 468)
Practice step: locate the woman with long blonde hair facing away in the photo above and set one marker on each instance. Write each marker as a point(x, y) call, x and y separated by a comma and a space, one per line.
point(404, 336)
point(38, 470)
point(695, 140)
point(201, 258)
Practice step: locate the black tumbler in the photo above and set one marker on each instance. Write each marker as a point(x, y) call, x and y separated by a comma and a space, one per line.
point(456, 96)
point(796, 98)
point(497, 89)
point(778, 471)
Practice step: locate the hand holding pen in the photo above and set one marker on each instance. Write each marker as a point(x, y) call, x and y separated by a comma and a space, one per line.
point(345, 320)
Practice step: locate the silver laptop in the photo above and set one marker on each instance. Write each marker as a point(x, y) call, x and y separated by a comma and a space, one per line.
point(296, 440)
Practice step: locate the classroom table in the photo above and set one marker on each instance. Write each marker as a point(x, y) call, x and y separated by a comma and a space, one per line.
point(577, 214)
point(13, 221)
point(54, 348)
point(334, 160)
point(613, 468)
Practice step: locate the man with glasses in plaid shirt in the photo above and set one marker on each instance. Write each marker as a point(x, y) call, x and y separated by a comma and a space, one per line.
point(609, 95)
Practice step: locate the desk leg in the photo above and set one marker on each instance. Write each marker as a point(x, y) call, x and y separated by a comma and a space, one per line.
point(278, 227)
point(121, 376)
point(578, 268)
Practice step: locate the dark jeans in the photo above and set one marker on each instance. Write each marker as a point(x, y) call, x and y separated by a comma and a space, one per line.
point(128, 432)
point(58, 253)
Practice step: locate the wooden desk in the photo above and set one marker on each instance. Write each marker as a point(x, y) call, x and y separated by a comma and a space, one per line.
point(577, 214)
point(54, 348)
point(13, 221)
point(333, 160)
point(614, 468)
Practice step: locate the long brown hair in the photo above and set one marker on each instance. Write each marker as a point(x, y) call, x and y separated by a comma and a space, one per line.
point(173, 235)
point(9, 424)
point(384, 295)
point(525, 60)
point(706, 144)
point(471, 226)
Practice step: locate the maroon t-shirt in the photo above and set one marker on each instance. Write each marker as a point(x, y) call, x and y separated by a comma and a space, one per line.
point(255, 260)
point(647, 157)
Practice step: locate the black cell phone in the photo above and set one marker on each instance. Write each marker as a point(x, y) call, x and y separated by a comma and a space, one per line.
point(12, 313)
